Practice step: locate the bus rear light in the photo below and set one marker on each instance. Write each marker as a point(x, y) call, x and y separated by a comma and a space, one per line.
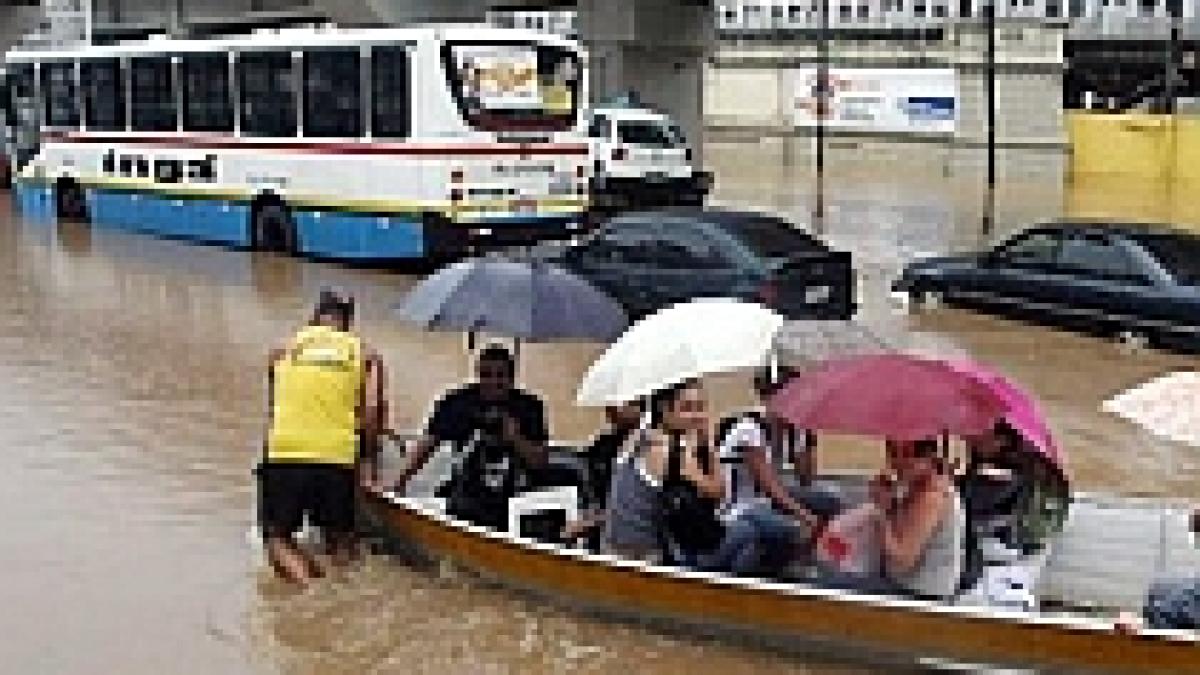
point(580, 171)
point(456, 195)
point(456, 176)
point(619, 154)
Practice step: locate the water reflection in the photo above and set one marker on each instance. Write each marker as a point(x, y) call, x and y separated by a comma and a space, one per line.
point(133, 407)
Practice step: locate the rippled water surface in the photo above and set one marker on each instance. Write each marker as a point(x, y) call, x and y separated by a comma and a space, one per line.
point(131, 409)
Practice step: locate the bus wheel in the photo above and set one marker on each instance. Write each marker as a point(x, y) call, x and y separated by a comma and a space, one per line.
point(272, 227)
point(70, 201)
point(444, 242)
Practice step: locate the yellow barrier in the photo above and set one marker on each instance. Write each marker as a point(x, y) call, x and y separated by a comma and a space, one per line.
point(1135, 167)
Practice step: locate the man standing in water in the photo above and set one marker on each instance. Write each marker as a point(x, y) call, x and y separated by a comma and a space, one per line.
point(325, 403)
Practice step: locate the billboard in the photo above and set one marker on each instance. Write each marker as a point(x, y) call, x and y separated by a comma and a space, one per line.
point(895, 100)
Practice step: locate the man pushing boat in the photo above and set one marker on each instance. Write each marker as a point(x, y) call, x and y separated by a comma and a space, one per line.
point(325, 412)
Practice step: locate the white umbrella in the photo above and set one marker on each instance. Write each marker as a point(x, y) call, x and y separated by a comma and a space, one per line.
point(1168, 407)
point(683, 341)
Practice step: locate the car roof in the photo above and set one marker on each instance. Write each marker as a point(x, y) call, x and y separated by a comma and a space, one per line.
point(1126, 229)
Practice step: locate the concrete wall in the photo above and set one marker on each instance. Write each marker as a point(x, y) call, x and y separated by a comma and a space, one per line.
point(747, 97)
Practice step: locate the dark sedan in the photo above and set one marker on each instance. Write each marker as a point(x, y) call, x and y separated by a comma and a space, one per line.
point(1139, 282)
point(649, 260)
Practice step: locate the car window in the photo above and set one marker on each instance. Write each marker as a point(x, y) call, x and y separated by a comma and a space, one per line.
point(770, 237)
point(1099, 257)
point(621, 246)
point(1180, 255)
point(685, 244)
point(600, 127)
point(1031, 249)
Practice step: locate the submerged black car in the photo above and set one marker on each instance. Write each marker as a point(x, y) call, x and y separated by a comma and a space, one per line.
point(1141, 282)
point(649, 260)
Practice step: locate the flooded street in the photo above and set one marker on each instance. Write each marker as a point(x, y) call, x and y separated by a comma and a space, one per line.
point(131, 412)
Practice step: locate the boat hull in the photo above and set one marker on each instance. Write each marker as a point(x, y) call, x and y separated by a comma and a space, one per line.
point(779, 613)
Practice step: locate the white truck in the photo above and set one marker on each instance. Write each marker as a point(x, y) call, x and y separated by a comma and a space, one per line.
point(640, 159)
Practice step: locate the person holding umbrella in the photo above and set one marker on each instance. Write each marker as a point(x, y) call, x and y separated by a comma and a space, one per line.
point(673, 454)
point(499, 430)
point(915, 528)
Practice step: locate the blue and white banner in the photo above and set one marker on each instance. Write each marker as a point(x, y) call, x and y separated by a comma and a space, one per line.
point(898, 100)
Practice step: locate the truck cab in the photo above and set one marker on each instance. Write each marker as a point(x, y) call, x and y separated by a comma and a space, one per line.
point(640, 159)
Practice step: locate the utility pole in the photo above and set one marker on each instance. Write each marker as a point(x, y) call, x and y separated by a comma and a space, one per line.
point(1174, 10)
point(822, 109)
point(989, 205)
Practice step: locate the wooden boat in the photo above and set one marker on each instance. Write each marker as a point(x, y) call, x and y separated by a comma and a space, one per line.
point(880, 629)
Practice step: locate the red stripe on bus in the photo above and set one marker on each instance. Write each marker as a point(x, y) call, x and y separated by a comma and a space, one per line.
point(231, 143)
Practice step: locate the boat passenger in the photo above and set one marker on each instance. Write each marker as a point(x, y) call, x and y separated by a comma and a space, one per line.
point(636, 526)
point(500, 433)
point(1171, 604)
point(325, 405)
point(622, 421)
point(915, 526)
point(783, 517)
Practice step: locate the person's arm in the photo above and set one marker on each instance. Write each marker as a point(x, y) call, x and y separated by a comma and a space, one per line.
point(768, 482)
point(529, 443)
point(903, 543)
point(372, 417)
point(709, 482)
point(416, 456)
point(273, 357)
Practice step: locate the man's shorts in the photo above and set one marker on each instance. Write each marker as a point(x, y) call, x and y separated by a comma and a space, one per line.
point(287, 491)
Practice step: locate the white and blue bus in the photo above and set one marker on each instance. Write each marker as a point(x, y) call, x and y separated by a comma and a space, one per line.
point(358, 144)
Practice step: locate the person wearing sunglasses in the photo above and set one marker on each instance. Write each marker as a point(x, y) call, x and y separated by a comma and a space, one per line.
point(500, 434)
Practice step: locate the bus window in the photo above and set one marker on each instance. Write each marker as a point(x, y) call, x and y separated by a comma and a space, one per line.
point(58, 85)
point(152, 85)
point(206, 101)
point(332, 101)
point(268, 93)
point(508, 87)
point(389, 92)
point(103, 94)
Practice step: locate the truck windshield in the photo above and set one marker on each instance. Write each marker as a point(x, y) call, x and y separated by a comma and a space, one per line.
point(649, 133)
point(514, 86)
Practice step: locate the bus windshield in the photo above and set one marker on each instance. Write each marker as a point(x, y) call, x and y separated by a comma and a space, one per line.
point(514, 86)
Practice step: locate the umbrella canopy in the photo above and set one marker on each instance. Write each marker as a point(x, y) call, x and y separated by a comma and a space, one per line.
point(532, 301)
point(1024, 414)
point(1167, 406)
point(683, 341)
point(890, 396)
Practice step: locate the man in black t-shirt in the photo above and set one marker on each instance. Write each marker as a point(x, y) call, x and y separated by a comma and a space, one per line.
point(502, 431)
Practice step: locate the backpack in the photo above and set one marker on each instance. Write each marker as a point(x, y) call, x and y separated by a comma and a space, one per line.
point(689, 518)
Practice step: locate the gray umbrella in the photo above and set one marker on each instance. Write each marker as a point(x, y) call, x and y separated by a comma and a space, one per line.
point(528, 300)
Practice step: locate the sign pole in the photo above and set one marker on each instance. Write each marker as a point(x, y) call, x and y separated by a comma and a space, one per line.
point(822, 108)
point(989, 206)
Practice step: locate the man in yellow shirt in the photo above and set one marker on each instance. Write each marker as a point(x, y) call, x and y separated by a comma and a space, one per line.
point(326, 410)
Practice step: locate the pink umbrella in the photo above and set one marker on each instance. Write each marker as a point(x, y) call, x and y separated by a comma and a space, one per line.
point(1024, 414)
point(890, 396)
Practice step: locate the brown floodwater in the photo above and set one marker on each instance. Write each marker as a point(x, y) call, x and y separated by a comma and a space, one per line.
point(131, 410)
